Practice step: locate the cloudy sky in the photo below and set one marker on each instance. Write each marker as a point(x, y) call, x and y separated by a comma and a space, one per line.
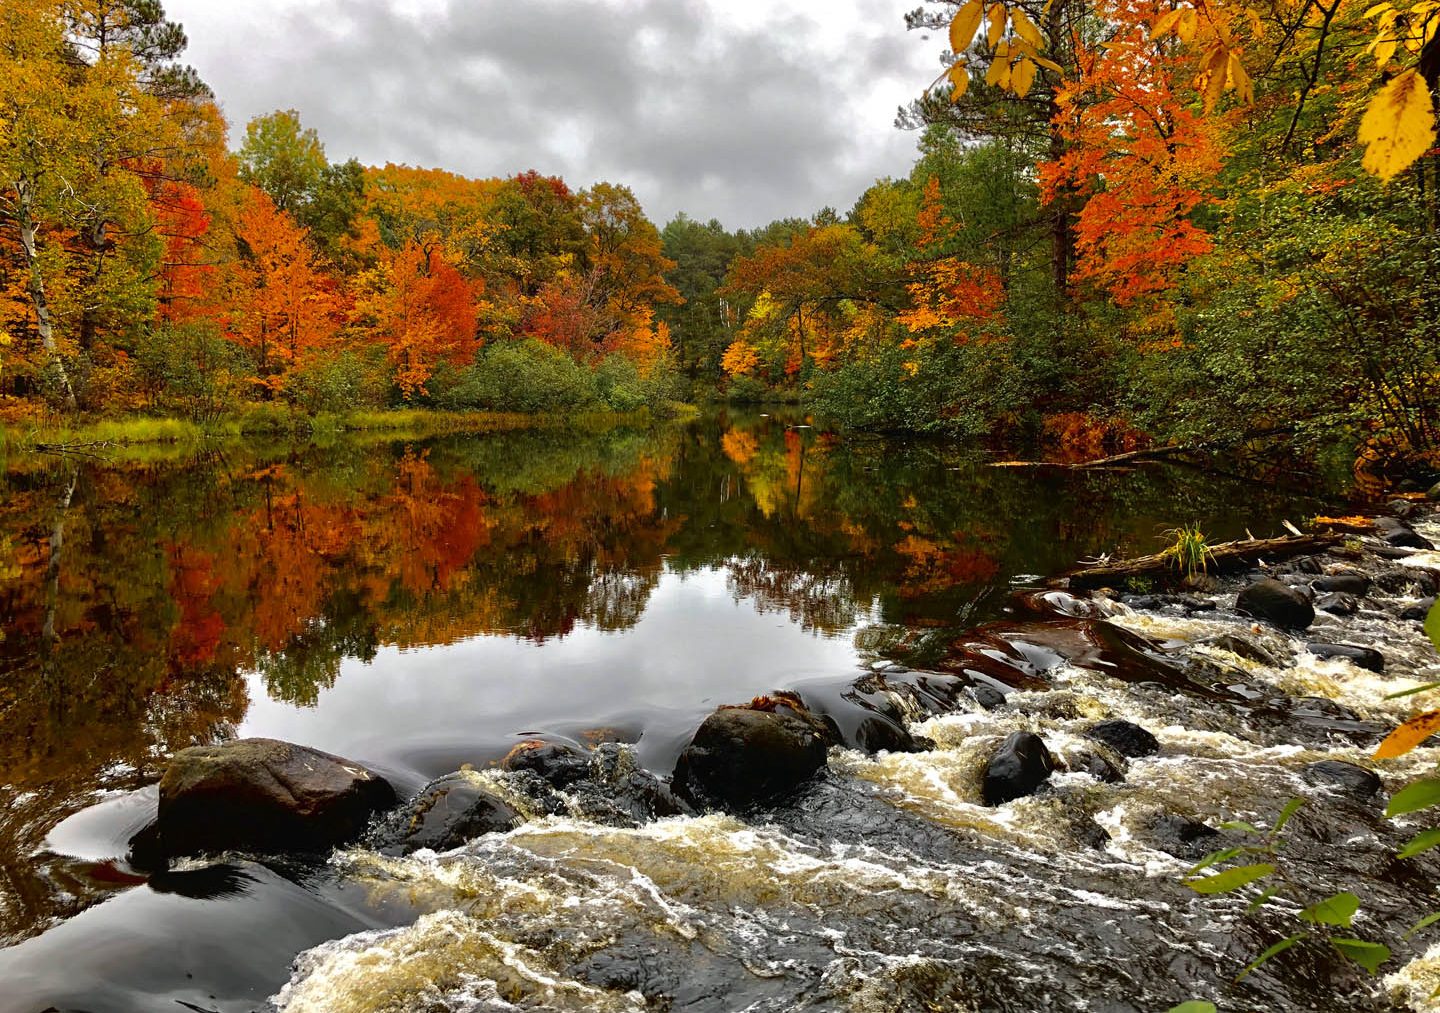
point(742, 110)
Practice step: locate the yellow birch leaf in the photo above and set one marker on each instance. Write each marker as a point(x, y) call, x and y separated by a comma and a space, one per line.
point(1188, 23)
point(1378, 8)
point(1240, 80)
point(1409, 735)
point(1384, 49)
point(1025, 28)
point(997, 23)
point(1048, 64)
point(1022, 76)
point(1398, 126)
point(959, 81)
point(964, 24)
point(999, 74)
point(1214, 75)
point(1166, 23)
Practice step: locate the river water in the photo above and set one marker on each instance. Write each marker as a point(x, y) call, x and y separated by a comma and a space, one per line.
point(422, 606)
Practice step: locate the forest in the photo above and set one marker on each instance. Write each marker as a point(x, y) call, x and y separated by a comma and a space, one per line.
point(1128, 224)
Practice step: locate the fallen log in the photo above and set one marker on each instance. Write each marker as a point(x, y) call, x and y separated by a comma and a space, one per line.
point(1130, 457)
point(1226, 557)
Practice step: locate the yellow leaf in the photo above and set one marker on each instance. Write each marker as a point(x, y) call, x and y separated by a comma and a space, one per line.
point(1239, 80)
point(1025, 28)
point(1188, 23)
point(1383, 49)
point(959, 81)
point(964, 24)
point(1166, 23)
point(1399, 125)
point(1376, 10)
point(997, 23)
point(1213, 75)
point(999, 74)
point(1409, 735)
point(1022, 76)
point(1048, 64)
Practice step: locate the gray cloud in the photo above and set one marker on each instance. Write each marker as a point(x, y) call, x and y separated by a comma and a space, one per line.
point(720, 108)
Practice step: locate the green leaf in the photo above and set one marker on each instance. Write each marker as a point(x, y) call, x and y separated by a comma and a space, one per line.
point(1278, 948)
point(1423, 841)
point(1259, 902)
point(1337, 910)
point(1193, 1006)
point(1291, 808)
point(1414, 797)
point(1432, 625)
point(1413, 689)
point(1248, 828)
point(1214, 858)
point(1423, 923)
point(1230, 879)
point(1368, 955)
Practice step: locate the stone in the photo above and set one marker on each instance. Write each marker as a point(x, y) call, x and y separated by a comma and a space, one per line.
point(1275, 603)
point(1242, 648)
point(1434, 492)
point(557, 763)
point(987, 696)
point(1087, 761)
point(1347, 778)
point(1346, 583)
point(1418, 612)
point(1018, 766)
point(1365, 657)
point(741, 756)
point(448, 812)
point(1183, 837)
point(1125, 737)
point(264, 795)
point(1408, 538)
point(1337, 604)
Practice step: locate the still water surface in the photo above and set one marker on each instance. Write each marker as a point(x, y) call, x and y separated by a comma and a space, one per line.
point(419, 606)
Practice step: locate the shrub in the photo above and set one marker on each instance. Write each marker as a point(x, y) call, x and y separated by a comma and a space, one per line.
point(515, 376)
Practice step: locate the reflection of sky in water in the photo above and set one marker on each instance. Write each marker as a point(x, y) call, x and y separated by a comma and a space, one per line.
point(693, 649)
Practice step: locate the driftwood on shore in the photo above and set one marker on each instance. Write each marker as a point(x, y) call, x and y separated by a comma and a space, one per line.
point(1225, 557)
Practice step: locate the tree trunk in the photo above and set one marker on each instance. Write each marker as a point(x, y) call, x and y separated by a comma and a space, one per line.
point(43, 324)
point(1227, 557)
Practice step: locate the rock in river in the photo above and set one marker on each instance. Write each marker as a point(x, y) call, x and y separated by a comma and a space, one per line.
point(1019, 766)
point(1348, 583)
point(1125, 737)
point(1365, 657)
point(450, 811)
point(1275, 603)
point(742, 755)
point(264, 795)
point(1348, 778)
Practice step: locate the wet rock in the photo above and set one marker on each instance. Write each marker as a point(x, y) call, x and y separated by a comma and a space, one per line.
point(264, 795)
point(987, 696)
point(1348, 778)
point(557, 763)
point(1019, 766)
point(1365, 657)
point(740, 756)
point(1099, 767)
point(1242, 648)
point(1347, 583)
point(1183, 837)
point(1404, 537)
point(1125, 737)
point(1337, 604)
point(448, 812)
point(1301, 564)
point(1275, 603)
point(1405, 509)
point(1419, 611)
point(1434, 492)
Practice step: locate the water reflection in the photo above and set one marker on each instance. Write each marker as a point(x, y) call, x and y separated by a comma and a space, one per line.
point(409, 603)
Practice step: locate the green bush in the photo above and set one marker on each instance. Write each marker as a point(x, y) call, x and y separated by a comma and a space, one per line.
point(189, 369)
point(515, 376)
point(343, 383)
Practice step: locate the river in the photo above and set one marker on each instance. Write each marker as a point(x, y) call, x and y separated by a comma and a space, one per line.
point(422, 606)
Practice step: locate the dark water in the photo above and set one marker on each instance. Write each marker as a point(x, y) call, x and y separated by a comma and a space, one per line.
point(419, 606)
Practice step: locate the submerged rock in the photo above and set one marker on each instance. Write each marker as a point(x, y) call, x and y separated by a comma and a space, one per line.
point(263, 795)
point(1020, 765)
point(1125, 737)
point(556, 763)
point(449, 811)
point(1365, 657)
point(1183, 837)
point(1242, 648)
point(1348, 778)
point(1337, 604)
point(1087, 761)
point(1273, 602)
point(742, 755)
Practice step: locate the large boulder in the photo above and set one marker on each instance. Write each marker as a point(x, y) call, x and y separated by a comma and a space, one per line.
point(741, 756)
point(557, 763)
point(1275, 603)
point(263, 795)
point(449, 811)
point(1347, 778)
point(1020, 765)
point(1125, 737)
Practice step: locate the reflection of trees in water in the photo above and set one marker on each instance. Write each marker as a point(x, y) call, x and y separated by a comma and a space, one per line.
point(820, 599)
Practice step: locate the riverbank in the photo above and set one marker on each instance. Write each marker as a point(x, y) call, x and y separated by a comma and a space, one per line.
point(144, 431)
